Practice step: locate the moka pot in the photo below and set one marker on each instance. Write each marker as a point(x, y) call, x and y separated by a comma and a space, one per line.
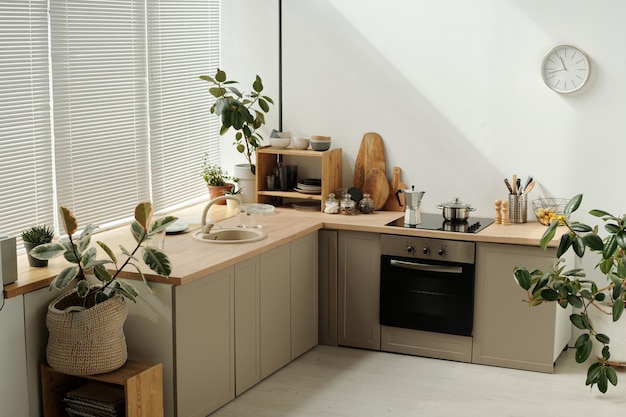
point(412, 201)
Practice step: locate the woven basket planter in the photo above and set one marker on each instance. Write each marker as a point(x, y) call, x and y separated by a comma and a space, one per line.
point(86, 342)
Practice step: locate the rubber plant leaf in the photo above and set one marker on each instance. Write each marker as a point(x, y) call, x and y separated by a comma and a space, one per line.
point(108, 251)
point(157, 261)
point(65, 277)
point(161, 224)
point(48, 251)
point(548, 235)
point(573, 204)
point(69, 221)
point(143, 214)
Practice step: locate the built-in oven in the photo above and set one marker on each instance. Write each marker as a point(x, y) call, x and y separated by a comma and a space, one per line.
point(427, 284)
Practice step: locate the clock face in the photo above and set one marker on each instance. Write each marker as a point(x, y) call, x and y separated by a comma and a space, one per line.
point(565, 69)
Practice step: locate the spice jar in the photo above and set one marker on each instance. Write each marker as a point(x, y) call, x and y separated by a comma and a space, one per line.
point(348, 206)
point(366, 205)
point(331, 206)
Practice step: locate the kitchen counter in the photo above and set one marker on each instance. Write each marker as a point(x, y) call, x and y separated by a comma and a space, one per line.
point(192, 259)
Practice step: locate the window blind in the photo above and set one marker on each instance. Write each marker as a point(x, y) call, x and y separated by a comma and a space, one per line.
point(183, 43)
point(26, 178)
point(99, 72)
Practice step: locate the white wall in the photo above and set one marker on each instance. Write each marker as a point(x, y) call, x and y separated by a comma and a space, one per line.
point(249, 48)
point(454, 88)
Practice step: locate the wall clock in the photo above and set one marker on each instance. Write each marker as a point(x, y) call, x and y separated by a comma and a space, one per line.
point(565, 69)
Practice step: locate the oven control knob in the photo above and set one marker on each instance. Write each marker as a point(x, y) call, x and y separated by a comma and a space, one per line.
point(425, 251)
point(441, 252)
point(410, 249)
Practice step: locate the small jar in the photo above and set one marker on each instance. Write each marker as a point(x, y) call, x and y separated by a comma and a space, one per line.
point(348, 206)
point(331, 206)
point(366, 205)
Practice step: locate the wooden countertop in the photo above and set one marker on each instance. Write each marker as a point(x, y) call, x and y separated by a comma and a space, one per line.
point(192, 259)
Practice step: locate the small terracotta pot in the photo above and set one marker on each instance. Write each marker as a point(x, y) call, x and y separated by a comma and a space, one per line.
point(218, 191)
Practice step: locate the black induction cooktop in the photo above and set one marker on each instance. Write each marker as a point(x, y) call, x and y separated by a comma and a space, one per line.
point(432, 221)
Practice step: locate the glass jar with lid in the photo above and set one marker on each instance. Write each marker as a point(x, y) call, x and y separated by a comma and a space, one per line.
point(366, 205)
point(348, 206)
point(331, 206)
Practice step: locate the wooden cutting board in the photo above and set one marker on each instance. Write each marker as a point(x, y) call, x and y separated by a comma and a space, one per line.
point(377, 186)
point(371, 155)
point(394, 185)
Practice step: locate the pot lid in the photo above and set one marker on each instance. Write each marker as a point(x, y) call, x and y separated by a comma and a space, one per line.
point(456, 204)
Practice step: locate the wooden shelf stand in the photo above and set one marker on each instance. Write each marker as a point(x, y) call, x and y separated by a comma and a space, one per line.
point(142, 384)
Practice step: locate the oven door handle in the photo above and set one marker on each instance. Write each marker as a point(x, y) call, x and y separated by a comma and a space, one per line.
point(427, 268)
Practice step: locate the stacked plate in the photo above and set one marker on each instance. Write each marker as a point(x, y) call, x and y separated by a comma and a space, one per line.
point(309, 186)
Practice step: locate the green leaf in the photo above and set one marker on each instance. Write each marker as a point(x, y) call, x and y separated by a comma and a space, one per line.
point(572, 205)
point(127, 289)
point(47, 251)
point(162, 224)
point(220, 76)
point(523, 278)
point(82, 288)
point(580, 227)
point(618, 309)
point(102, 274)
point(583, 350)
point(621, 239)
point(610, 247)
point(108, 251)
point(600, 296)
point(603, 381)
point(541, 283)
point(263, 105)
point(235, 91)
point(611, 228)
point(101, 297)
point(579, 246)
point(548, 235)
point(157, 261)
point(207, 78)
point(602, 338)
point(593, 373)
point(549, 294)
point(138, 232)
point(611, 375)
point(65, 277)
point(268, 99)
point(593, 241)
point(564, 244)
point(600, 213)
point(257, 85)
point(577, 321)
point(574, 301)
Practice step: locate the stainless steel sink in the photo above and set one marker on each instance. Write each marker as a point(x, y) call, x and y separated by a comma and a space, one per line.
point(230, 236)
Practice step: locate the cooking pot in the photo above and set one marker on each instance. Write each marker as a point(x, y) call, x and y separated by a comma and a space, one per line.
point(455, 210)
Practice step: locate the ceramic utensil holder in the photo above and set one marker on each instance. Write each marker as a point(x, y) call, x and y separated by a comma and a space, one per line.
point(517, 208)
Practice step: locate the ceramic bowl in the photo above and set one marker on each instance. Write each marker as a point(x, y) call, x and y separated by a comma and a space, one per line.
point(280, 142)
point(300, 142)
point(320, 138)
point(320, 145)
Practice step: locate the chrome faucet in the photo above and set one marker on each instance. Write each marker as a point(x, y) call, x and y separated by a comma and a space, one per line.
point(207, 226)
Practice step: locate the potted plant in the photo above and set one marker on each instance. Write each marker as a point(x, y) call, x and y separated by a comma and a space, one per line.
point(244, 112)
point(33, 237)
point(233, 204)
point(568, 287)
point(85, 324)
point(217, 180)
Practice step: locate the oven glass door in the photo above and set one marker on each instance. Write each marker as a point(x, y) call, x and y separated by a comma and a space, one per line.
point(433, 296)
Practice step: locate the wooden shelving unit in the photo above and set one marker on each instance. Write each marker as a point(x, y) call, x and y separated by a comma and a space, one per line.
point(330, 172)
point(142, 383)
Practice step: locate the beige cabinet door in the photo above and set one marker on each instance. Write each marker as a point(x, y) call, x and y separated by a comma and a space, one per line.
point(247, 325)
point(304, 316)
point(507, 332)
point(204, 323)
point(358, 293)
point(275, 309)
point(327, 282)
